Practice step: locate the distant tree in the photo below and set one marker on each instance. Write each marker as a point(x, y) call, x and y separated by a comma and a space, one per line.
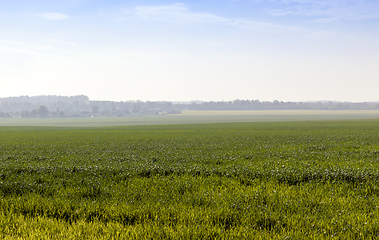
point(95, 109)
point(61, 114)
point(34, 113)
point(42, 111)
point(25, 114)
point(105, 113)
point(137, 106)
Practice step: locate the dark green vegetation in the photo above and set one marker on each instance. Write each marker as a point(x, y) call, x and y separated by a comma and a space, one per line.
point(282, 180)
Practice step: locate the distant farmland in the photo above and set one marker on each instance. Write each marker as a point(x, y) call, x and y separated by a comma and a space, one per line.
point(198, 116)
point(280, 112)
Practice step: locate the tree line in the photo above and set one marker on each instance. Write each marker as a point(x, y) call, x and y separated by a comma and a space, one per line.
point(80, 106)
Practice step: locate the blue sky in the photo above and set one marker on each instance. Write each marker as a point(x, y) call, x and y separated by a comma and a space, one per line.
point(289, 50)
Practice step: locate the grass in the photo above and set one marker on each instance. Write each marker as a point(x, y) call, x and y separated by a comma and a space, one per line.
point(273, 180)
point(278, 112)
point(196, 117)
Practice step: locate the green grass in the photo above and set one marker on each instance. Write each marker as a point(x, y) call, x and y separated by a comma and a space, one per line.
point(195, 117)
point(274, 180)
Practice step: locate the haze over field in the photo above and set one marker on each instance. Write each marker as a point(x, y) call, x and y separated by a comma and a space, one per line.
point(290, 50)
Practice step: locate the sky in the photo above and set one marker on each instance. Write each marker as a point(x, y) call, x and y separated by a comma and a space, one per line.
point(210, 50)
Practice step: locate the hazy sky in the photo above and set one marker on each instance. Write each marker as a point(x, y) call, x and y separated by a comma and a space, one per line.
point(289, 50)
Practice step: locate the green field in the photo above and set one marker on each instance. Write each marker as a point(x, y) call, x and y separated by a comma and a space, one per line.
point(194, 117)
point(252, 180)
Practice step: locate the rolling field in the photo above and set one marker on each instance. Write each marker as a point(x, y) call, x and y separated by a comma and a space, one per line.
point(256, 180)
point(195, 117)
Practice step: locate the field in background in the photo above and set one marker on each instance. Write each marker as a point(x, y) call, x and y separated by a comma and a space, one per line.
point(192, 117)
point(280, 112)
point(260, 180)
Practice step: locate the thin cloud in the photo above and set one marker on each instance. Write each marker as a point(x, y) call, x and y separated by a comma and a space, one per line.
point(54, 16)
point(177, 12)
point(14, 54)
point(180, 13)
point(329, 10)
point(7, 42)
point(11, 50)
point(261, 25)
point(63, 42)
